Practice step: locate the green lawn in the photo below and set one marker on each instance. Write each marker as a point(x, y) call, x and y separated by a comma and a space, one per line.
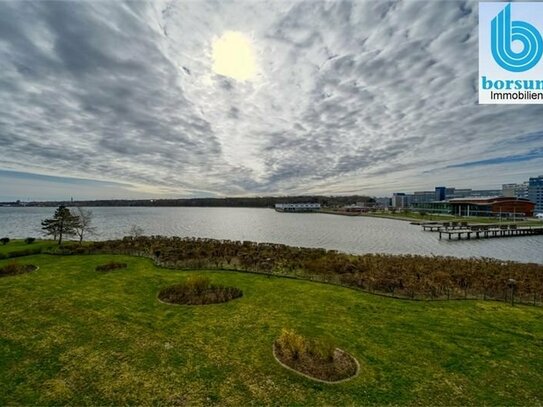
point(17, 245)
point(71, 335)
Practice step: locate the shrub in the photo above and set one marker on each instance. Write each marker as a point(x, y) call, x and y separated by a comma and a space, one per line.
point(295, 346)
point(24, 252)
point(405, 276)
point(197, 290)
point(291, 344)
point(197, 284)
point(317, 358)
point(30, 240)
point(4, 241)
point(111, 266)
point(15, 268)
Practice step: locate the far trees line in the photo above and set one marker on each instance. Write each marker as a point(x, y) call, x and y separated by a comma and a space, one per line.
point(243, 202)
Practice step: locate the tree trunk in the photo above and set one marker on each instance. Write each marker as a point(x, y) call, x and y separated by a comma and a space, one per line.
point(60, 230)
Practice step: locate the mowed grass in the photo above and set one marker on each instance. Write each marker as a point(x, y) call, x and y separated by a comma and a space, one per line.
point(18, 245)
point(71, 335)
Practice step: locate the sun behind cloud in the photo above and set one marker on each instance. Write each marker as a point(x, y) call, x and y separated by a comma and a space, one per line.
point(233, 56)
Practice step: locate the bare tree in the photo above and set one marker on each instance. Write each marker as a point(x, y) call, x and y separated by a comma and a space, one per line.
point(84, 226)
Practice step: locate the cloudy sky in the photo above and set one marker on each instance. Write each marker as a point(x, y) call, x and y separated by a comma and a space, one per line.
point(104, 99)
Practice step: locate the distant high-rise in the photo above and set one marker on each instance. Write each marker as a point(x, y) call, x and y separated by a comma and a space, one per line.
point(535, 192)
point(441, 193)
point(515, 190)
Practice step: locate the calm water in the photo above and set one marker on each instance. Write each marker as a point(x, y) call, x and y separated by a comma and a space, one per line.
point(349, 234)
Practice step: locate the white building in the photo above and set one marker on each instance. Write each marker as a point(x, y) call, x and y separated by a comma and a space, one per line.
point(297, 207)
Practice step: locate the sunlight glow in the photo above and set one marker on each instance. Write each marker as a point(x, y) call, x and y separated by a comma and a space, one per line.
point(233, 56)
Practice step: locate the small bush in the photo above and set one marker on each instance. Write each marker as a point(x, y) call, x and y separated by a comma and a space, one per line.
point(4, 241)
point(197, 284)
point(15, 268)
point(296, 346)
point(198, 290)
point(30, 240)
point(316, 358)
point(111, 266)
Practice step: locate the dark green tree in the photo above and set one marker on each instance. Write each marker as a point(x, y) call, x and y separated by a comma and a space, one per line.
point(63, 223)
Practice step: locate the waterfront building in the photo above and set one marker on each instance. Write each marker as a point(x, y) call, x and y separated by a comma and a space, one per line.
point(446, 193)
point(480, 206)
point(492, 206)
point(401, 200)
point(515, 190)
point(535, 192)
point(439, 207)
point(297, 207)
point(383, 202)
point(423, 197)
point(440, 194)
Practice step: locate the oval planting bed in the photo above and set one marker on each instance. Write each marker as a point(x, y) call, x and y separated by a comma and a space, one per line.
point(111, 266)
point(198, 291)
point(13, 269)
point(314, 359)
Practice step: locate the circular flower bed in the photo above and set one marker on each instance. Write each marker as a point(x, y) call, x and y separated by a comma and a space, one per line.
point(314, 359)
point(13, 269)
point(111, 266)
point(198, 291)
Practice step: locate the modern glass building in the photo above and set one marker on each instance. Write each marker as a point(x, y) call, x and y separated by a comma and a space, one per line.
point(535, 192)
point(478, 206)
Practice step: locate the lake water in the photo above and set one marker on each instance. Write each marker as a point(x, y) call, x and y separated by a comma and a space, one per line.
point(348, 234)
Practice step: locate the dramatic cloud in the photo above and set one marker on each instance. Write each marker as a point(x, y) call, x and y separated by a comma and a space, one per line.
point(344, 97)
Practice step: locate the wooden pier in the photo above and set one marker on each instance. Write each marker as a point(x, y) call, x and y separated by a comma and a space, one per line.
point(490, 231)
point(437, 226)
point(467, 231)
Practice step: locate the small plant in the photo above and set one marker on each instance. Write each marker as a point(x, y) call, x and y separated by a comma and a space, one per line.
point(291, 344)
point(4, 241)
point(295, 346)
point(198, 284)
point(30, 240)
point(111, 266)
point(316, 358)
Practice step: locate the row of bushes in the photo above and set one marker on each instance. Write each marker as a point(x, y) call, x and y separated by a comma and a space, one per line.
point(6, 240)
point(21, 253)
point(405, 276)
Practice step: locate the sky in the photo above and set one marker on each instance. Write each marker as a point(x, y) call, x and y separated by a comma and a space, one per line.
point(162, 99)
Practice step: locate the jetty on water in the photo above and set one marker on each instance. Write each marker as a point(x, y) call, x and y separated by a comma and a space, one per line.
point(467, 231)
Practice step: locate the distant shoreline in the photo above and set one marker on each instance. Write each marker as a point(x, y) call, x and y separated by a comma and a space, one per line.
point(226, 202)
